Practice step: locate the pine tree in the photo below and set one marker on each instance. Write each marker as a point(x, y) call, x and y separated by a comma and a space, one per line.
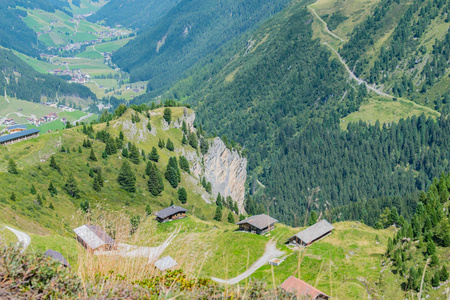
point(184, 140)
point(126, 178)
point(167, 115)
point(184, 128)
point(172, 177)
point(52, 189)
point(161, 143)
point(79, 150)
point(393, 217)
point(51, 206)
point(431, 247)
point(446, 240)
point(219, 200)
point(312, 218)
point(182, 195)
point(444, 273)
point(134, 154)
point(434, 260)
point(218, 214)
point(193, 141)
point(208, 187)
point(110, 147)
point(12, 168)
point(33, 189)
point(84, 143)
point(92, 156)
point(154, 156)
point(230, 217)
point(436, 279)
point(97, 184)
point(149, 126)
point(71, 187)
point(204, 146)
point(91, 173)
point(125, 152)
point(121, 137)
point(184, 164)
point(12, 197)
point(84, 205)
point(53, 164)
point(62, 149)
point(148, 210)
point(169, 145)
point(39, 200)
point(155, 182)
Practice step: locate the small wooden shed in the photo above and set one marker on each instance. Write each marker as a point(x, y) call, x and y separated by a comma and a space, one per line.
point(259, 224)
point(92, 237)
point(171, 213)
point(311, 234)
point(302, 290)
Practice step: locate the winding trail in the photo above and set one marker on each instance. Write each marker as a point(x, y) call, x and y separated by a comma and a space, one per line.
point(271, 252)
point(325, 24)
point(24, 239)
point(83, 118)
point(152, 253)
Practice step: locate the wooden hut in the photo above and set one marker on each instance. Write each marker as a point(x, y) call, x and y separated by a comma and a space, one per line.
point(302, 290)
point(311, 234)
point(171, 213)
point(93, 238)
point(259, 224)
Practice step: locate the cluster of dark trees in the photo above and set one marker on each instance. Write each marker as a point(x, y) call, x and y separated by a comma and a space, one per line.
point(31, 85)
point(182, 43)
point(415, 242)
point(14, 33)
point(361, 163)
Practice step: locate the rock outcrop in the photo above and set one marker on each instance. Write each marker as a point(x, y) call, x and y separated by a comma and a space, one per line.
point(227, 172)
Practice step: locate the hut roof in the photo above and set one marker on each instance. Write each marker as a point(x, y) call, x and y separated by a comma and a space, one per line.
point(299, 287)
point(16, 135)
point(259, 221)
point(315, 231)
point(94, 236)
point(17, 127)
point(165, 263)
point(169, 211)
point(58, 256)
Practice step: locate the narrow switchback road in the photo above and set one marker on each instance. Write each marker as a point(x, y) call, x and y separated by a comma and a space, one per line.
point(24, 239)
point(271, 252)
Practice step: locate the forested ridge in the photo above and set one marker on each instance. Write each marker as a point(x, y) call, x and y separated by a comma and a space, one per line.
point(414, 58)
point(189, 31)
point(136, 14)
point(14, 33)
point(23, 82)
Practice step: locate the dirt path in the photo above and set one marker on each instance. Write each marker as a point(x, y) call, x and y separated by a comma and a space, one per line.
point(152, 253)
point(325, 25)
point(271, 252)
point(83, 118)
point(24, 239)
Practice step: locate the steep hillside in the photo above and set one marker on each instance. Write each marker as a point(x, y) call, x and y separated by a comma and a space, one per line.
point(21, 81)
point(136, 14)
point(191, 30)
point(14, 33)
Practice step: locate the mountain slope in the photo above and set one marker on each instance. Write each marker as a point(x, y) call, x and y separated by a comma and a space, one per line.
point(188, 32)
point(136, 14)
point(21, 81)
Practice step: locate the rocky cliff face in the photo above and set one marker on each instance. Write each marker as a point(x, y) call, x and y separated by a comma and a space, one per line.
point(227, 172)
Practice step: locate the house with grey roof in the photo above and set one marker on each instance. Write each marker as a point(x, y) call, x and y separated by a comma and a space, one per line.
point(57, 256)
point(93, 238)
point(171, 213)
point(259, 224)
point(311, 234)
point(18, 136)
point(165, 263)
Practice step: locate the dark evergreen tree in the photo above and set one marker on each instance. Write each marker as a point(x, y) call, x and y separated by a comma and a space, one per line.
point(92, 156)
point(97, 184)
point(53, 164)
point(169, 145)
point(431, 247)
point(51, 188)
point(193, 141)
point(230, 217)
point(182, 195)
point(167, 115)
point(134, 154)
point(218, 214)
point(71, 187)
point(126, 178)
point(79, 150)
point(154, 156)
point(161, 143)
point(184, 140)
point(184, 164)
point(84, 205)
point(444, 274)
point(435, 280)
point(155, 183)
point(110, 147)
point(219, 202)
point(12, 167)
point(204, 146)
point(148, 210)
point(39, 200)
point(125, 152)
point(12, 197)
point(33, 189)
